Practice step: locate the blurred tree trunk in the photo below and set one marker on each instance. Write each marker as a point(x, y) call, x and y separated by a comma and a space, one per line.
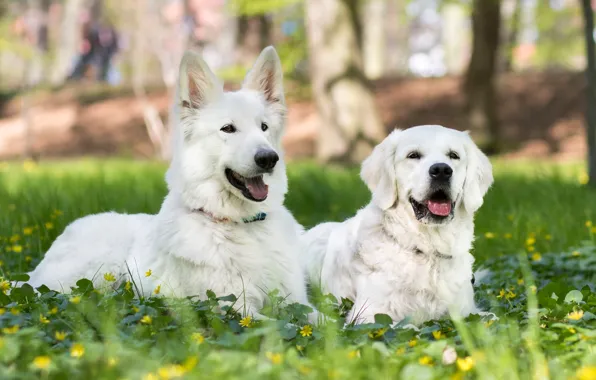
point(398, 38)
point(512, 36)
point(254, 34)
point(350, 124)
point(374, 41)
point(69, 40)
point(480, 78)
point(590, 89)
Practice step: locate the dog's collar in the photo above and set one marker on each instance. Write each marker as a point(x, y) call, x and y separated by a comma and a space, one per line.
point(258, 217)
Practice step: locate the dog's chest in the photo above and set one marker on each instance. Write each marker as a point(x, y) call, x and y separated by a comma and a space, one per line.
point(254, 252)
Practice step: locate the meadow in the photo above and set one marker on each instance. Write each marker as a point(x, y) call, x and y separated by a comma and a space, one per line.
point(536, 233)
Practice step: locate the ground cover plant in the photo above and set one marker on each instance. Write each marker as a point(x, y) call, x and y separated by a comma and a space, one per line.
point(536, 233)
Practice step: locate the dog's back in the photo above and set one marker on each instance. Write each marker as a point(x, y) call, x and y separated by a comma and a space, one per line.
point(89, 248)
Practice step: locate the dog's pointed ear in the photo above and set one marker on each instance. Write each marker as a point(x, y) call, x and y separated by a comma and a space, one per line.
point(378, 172)
point(266, 77)
point(197, 84)
point(479, 176)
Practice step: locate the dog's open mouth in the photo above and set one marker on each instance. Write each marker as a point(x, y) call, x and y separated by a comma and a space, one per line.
point(438, 205)
point(252, 188)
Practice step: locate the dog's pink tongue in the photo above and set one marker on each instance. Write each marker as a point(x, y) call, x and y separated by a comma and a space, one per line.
point(441, 208)
point(257, 188)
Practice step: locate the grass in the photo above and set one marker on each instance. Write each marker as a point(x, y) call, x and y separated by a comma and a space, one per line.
point(534, 232)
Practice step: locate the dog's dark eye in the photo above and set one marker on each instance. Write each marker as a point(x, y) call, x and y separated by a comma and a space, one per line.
point(228, 128)
point(414, 155)
point(264, 127)
point(453, 155)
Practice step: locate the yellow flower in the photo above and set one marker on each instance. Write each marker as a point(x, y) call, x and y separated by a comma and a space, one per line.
point(576, 315)
point(583, 178)
point(275, 358)
point(377, 333)
point(572, 330)
point(520, 281)
point(508, 236)
point(531, 248)
point(489, 323)
point(14, 311)
point(438, 335)
point(171, 371)
point(548, 237)
point(400, 351)
point(29, 165)
point(77, 350)
point(536, 256)
point(11, 330)
point(510, 295)
point(109, 277)
point(58, 212)
point(146, 320)
point(197, 338)
point(60, 335)
point(543, 325)
point(465, 364)
point(354, 354)
point(246, 321)
point(501, 293)
point(135, 309)
point(425, 360)
point(148, 273)
point(190, 363)
point(586, 373)
point(588, 223)
point(42, 362)
point(28, 259)
point(412, 343)
point(27, 231)
point(53, 310)
point(150, 376)
point(533, 289)
point(531, 241)
point(75, 300)
point(127, 286)
point(17, 248)
point(49, 225)
point(4, 286)
point(112, 362)
point(2, 310)
point(304, 370)
point(489, 235)
point(593, 230)
point(575, 253)
point(43, 319)
point(157, 289)
point(306, 331)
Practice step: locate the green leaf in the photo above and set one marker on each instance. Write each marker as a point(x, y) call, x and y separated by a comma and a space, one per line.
point(383, 319)
point(574, 296)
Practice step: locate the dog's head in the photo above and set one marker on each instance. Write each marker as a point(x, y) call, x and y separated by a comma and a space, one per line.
point(433, 171)
point(228, 156)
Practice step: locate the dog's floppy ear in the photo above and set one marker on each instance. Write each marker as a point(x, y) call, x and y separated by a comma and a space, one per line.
point(378, 172)
point(479, 176)
point(197, 84)
point(266, 77)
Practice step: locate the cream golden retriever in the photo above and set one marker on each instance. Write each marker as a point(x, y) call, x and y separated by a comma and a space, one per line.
point(407, 253)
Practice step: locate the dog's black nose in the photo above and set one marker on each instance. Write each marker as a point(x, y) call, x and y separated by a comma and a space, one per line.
point(266, 159)
point(441, 172)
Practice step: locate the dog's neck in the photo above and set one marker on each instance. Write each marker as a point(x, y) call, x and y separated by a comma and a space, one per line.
point(260, 216)
point(443, 242)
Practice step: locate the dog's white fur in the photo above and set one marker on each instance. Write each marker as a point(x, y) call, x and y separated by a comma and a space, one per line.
point(384, 258)
point(189, 251)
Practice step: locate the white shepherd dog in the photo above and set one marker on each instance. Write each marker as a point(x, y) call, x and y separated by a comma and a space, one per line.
point(223, 225)
point(406, 254)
